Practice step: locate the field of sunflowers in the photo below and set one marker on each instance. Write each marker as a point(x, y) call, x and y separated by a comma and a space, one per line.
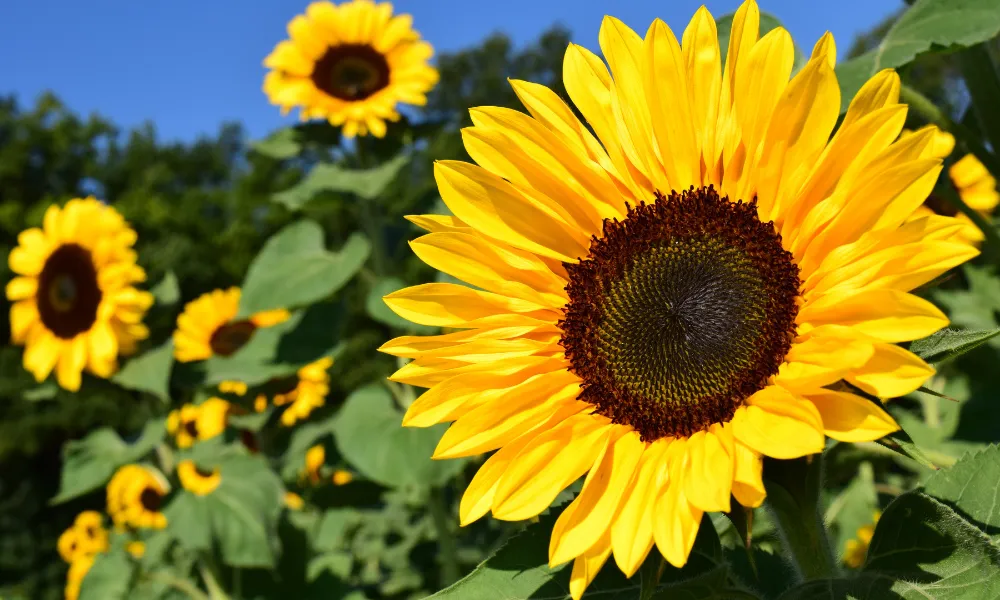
point(703, 313)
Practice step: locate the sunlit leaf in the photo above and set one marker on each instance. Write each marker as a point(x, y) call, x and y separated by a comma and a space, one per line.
point(364, 183)
point(972, 487)
point(950, 343)
point(149, 372)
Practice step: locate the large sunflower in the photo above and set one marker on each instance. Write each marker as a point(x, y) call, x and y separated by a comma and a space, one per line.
point(135, 495)
point(659, 306)
point(75, 306)
point(350, 64)
point(207, 327)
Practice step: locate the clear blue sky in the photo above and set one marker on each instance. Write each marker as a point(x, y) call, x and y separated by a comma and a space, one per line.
point(188, 65)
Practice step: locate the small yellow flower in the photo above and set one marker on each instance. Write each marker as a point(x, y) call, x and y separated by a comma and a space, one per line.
point(308, 391)
point(74, 578)
point(856, 550)
point(137, 549)
point(342, 477)
point(85, 537)
point(294, 501)
point(351, 64)
point(74, 304)
point(135, 495)
point(196, 480)
point(315, 457)
point(198, 422)
point(206, 327)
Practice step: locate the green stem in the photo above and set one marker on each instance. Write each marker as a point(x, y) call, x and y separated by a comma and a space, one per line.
point(649, 577)
point(446, 538)
point(793, 498)
point(369, 220)
point(215, 591)
point(181, 585)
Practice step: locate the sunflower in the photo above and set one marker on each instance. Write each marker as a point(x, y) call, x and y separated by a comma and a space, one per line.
point(197, 480)
point(135, 495)
point(350, 64)
point(136, 548)
point(206, 327)
point(294, 501)
point(315, 457)
point(198, 422)
point(855, 550)
point(342, 477)
point(74, 304)
point(78, 569)
point(85, 537)
point(304, 392)
point(659, 304)
point(975, 186)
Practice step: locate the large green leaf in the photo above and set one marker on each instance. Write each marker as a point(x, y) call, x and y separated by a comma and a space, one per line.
point(921, 550)
point(89, 463)
point(520, 570)
point(370, 436)
point(294, 269)
point(108, 578)
point(241, 514)
point(332, 532)
point(926, 25)
point(149, 372)
point(972, 487)
point(364, 183)
point(950, 343)
point(724, 25)
point(279, 351)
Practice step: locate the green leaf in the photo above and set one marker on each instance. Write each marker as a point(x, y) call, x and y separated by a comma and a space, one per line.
point(902, 443)
point(280, 145)
point(950, 343)
point(972, 487)
point(304, 437)
point(364, 183)
point(149, 372)
point(167, 291)
point(337, 563)
point(294, 268)
point(89, 463)
point(241, 515)
point(921, 549)
point(939, 25)
point(976, 307)
point(370, 436)
point(281, 350)
point(108, 578)
point(333, 528)
point(378, 310)
point(724, 25)
point(520, 570)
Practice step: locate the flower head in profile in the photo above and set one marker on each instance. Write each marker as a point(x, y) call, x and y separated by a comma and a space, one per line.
point(315, 459)
point(198, 422)
point(351, 64)
point(197, 480)
point(304, 392)
point(974, 184)
point(75, 306)
point(135, 495)
point(710, 271)
point(856, 549)
point(86, 537)
point(208, 326)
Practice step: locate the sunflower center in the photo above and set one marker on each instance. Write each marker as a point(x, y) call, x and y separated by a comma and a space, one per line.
point(679, 313)
point(231, 337)
point(203, 472)
point(151, 499)
point(351, 72)
point(940, 206)
point(191, 428)
point(68, 292)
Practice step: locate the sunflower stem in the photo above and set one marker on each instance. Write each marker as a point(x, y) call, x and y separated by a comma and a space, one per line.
point(215, 591)
point(369, 221)
point(793, 499)
point(446, 538)
point(649, 577)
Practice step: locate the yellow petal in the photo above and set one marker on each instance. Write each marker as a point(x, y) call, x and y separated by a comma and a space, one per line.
point(71, 363)
point(701, 55)
point(850, 418)
point(887, 315)
point(23, 315)
point(587, 565)
point(708, 476)
point(760, 82)
point(825, 357)
point(21, 288)
point(42, 354)
point(891, 372)
point(453, 305)
point(414, 346)
point(548, 464)
point(880, 91)
point(779, 424)
point(588, 518)
point(748, 480)
point(676, 520)
point(826, 49)
point(632, 530)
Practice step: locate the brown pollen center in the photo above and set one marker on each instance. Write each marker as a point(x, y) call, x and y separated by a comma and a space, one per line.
point(351, 72)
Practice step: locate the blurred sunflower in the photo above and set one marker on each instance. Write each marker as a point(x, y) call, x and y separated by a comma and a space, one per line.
point(856, 550)
point(206, 327)
point(975, 186)
point(136, 548)
point(74, 578)
point(197, 480)
point(74, 304)
point(304, 392)
point(315, 457)
point(135, 495)
point(294, 501)
point(350, 64)
point(660, 306)
point(85, 537)
point(342, 477)
point(197, 422)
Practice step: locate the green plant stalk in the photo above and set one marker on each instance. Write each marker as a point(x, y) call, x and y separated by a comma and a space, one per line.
point(181, 585)
point(981, 79)
point(793, 499)
point(369, 221)
point(649, 577)
point(215, 591)
point(448, 555)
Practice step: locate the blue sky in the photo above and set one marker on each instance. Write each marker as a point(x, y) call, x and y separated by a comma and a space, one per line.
point(188, 65)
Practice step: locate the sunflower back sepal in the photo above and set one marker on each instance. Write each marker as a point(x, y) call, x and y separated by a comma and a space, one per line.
point(948, 344)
